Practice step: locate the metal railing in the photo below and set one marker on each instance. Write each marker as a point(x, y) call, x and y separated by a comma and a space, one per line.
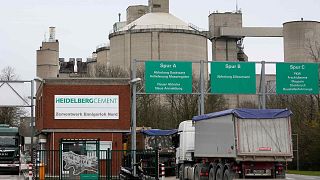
point(56, 164)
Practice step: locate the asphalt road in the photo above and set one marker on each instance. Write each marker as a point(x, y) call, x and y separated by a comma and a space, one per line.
point(298, 177)
point(289, 177)
point(14, 177)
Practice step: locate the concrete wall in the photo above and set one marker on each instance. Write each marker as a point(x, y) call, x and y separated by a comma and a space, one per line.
point(217, 20)
point(134, 12)
point(300, 39)
point(224, 48)
point(158, 6)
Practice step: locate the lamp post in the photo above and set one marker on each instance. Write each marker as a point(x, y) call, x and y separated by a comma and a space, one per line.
point(37, 79)
point(32, 117)
point(133, 83)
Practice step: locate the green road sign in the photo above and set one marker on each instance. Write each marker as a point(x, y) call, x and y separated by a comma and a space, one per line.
point(88, 176)
point(297, 78)
point(233, 78)
point(168, 77)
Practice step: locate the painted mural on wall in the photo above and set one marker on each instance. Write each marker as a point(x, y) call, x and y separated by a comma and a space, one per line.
point(79, 163)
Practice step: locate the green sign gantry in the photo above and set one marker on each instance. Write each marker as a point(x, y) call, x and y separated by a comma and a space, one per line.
point(233, 78)
point(168, 77)
point(297, 78)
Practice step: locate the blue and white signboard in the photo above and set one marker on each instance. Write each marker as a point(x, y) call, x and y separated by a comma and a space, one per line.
point(86, 107)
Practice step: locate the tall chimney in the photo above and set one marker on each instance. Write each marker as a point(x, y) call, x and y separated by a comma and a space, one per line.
point(52, 34)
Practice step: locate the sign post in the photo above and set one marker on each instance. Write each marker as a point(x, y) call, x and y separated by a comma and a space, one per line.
point(233, 78)
point(297, 78)
point(168, 77)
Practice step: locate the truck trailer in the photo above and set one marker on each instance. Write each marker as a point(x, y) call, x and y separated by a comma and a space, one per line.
point(157, 139)
point(235, 143)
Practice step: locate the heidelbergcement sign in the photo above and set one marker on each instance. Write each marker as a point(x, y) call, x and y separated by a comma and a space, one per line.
point(86, 107)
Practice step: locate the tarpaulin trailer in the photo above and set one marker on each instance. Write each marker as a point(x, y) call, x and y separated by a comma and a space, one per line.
point(239, 143)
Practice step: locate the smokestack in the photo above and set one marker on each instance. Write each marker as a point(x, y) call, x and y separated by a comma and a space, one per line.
point(52, 34)
point(119, 17)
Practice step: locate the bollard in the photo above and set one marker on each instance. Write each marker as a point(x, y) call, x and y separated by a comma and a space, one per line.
point(41, 172)
point(30, 171)
point(163, 172)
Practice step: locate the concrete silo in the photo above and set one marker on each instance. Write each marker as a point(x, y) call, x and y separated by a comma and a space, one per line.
point(157, 36)
point(103, 54)
point(48, 57)
point(301, 41)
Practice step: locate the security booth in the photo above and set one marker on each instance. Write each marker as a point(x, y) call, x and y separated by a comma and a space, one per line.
point(79, 122)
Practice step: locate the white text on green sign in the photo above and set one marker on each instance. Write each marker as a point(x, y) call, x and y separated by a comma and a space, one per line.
point(233, 78)
point(168, 77)
point(297, 78)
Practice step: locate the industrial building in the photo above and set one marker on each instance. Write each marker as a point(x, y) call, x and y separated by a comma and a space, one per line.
point(151, 32)
point(72, 113)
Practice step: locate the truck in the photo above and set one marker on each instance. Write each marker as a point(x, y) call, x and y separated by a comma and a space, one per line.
point(10, 144)
point(162, 141)
point(157, 139)
point(235, 143)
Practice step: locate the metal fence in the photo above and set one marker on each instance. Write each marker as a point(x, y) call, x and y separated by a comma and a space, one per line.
point(101, 164)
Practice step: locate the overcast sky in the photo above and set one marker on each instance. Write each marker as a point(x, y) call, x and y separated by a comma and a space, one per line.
point(81, 25)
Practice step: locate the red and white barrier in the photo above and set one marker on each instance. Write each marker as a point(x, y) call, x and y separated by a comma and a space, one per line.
point(30, 171)
point(163, 172)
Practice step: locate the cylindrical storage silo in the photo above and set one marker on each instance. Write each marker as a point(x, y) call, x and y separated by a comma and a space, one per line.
point(48, 60)
point(301, 41)
point(103, 54)
point(157, 36)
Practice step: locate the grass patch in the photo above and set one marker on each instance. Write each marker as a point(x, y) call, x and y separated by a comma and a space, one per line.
point(308, 173)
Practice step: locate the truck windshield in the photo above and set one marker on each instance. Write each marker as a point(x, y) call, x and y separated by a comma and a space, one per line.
point(7, 141)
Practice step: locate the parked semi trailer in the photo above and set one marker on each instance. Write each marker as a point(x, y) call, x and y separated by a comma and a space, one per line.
point(157, 139)
point(235, 143)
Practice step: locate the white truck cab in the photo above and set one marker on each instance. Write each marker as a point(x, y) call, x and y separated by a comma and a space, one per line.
point(186, 142)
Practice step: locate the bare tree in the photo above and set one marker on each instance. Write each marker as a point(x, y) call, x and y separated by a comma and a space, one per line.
point(8, 74)
point(313, 48)
point(10, 115)
point(102, 70)
point(248, 104)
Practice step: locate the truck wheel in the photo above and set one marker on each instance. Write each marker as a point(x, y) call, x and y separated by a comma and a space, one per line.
point(219, 173)
point(227, 175)
point(197, 173)
point(181, 174)
point(211, 174)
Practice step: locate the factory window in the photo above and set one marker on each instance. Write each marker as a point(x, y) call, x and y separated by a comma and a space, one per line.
point(156, 5)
